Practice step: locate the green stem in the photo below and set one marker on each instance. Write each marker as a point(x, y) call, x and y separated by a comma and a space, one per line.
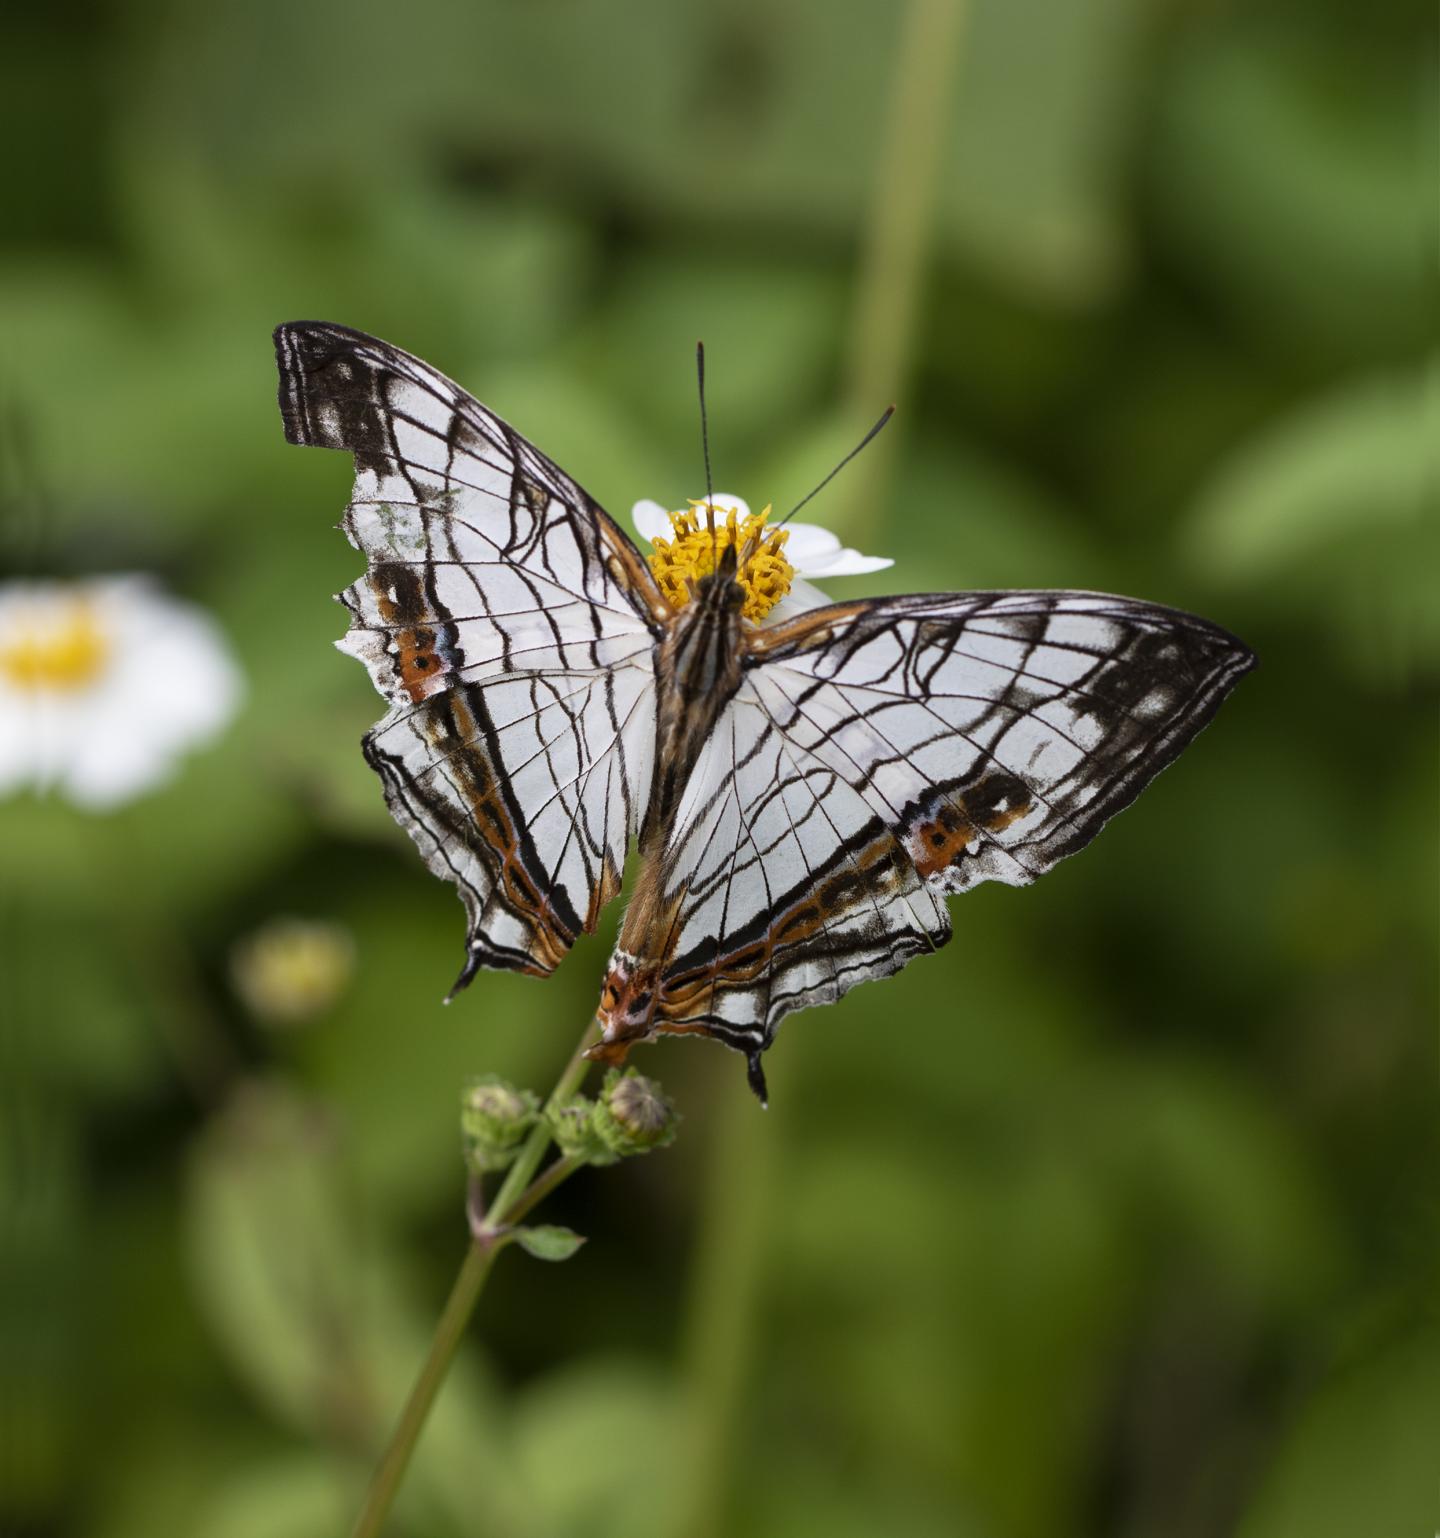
point(456, 1315)
point(897, 235)
point(727, 1275)
point(520, 1174)
point(540, 1188)
point(516, 1197)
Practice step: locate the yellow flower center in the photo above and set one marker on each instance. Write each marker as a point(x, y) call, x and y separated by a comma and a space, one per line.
point(59, 647)
point(764, 572)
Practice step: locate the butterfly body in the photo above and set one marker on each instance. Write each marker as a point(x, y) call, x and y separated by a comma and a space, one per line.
point(697, 671)
point(804, 795)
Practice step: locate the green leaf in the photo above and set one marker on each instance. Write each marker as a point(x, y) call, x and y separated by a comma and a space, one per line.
point(1287, 178)
point(270, 1253)
point(312, 1315)
point(579, 1476)
point(1362, 1458)
point(1321, 515)
point(549, 1241)
point(293, 1497)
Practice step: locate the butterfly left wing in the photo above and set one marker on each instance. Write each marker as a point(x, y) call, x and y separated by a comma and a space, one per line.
point(880, 755)
point(510, 624)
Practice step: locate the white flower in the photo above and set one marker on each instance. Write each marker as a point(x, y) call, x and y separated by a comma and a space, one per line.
point(103, 683)
point(811, 550)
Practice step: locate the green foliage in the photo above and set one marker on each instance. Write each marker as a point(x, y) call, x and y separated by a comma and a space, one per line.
point(1111, 1218)
point(548, 1241)
point(1332, 510)
point(1366, 1440)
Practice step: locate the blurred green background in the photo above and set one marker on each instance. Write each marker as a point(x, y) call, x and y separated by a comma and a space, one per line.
point(1116, 1218)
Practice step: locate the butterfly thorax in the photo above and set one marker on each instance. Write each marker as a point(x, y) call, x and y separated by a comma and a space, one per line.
point(697, 671)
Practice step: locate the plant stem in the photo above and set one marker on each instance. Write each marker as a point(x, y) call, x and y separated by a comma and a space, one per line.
point(455, 1316)
point(540, 1188)
point(522, 1171)
point(897, 235)
point(727, 1274)
point(516, 1196)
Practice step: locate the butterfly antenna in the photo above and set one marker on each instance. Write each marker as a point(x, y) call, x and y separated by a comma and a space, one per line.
point(705, 447)
point(864, 442)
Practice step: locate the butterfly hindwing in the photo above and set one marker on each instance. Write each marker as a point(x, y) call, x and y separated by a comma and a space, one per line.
point(511, 625)
point(788, 887)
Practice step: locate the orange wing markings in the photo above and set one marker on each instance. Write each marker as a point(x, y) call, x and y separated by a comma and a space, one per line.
point(804, 632)
point(961, 819)
point(630, 991)
point(414, 645)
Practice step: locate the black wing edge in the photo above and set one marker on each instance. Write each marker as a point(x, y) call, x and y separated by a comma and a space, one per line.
point(1231, 660)
point(323, 403)
point(331, 397)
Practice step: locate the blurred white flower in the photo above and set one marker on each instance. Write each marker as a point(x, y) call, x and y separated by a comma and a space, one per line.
point(103, 683)
point(808, 549)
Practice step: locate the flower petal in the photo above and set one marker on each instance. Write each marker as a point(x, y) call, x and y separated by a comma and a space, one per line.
point(651, 521)
point(802, 597)
point(19, 749)
point(808, 545)
point(168, 683)
point(725, 500)
point(848, 563)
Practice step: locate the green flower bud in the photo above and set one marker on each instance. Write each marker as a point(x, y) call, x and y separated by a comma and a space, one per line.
point(494, 1118)
point(633, 1116)
point(292, 970)
point(572, 1124)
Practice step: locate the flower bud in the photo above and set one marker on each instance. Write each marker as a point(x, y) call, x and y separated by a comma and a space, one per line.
point(572, 1124)
point(494, 1118)
point(633, 1116)
point(292, 970)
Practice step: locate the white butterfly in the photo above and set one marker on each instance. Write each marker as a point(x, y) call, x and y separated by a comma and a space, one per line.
point(804, 794)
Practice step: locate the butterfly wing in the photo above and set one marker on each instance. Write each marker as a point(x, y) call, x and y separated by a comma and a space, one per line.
point(508, 621)
point(881, 755)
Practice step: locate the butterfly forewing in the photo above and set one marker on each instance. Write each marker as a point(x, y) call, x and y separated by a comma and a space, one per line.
point(511, 625)
point(999, 731)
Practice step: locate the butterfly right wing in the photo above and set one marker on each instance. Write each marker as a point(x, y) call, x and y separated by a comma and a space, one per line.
point(510, 624)
point(880, 755)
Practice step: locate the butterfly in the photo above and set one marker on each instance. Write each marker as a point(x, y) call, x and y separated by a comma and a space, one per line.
point(804, 795)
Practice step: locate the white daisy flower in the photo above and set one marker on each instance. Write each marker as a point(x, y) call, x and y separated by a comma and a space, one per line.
point(103, 683)
point(777, 590)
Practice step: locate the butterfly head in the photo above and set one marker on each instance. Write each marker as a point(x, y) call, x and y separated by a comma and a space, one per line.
point(710, 539)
